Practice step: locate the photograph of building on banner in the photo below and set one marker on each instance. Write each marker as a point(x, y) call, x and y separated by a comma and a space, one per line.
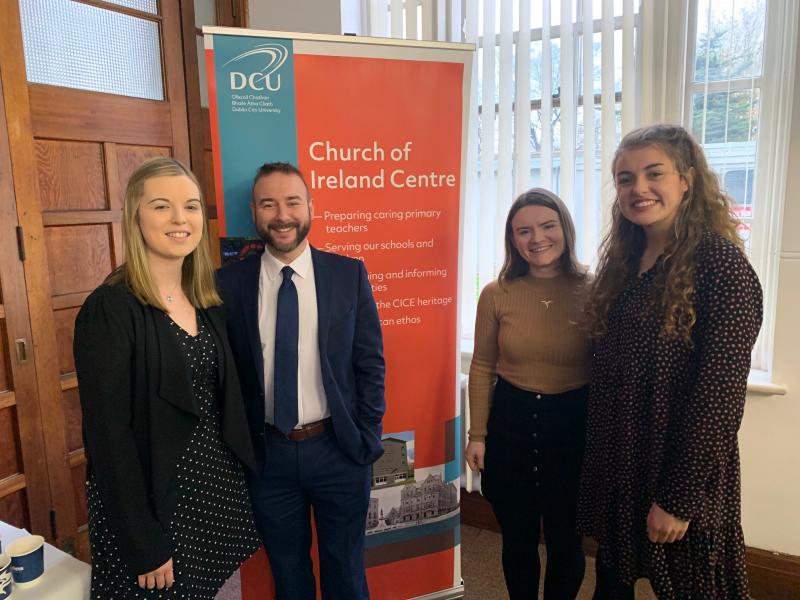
point(378, 132)
point(403, 497)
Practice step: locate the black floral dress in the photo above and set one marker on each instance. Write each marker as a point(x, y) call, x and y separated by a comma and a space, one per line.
point(662, 427)
point(212, 530)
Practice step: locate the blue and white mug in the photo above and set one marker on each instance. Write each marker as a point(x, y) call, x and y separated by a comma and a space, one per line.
point(5, 576)
point(27, 559)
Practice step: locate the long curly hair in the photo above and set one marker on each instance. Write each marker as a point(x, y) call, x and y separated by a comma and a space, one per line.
point(514, 265)
point(704, 208)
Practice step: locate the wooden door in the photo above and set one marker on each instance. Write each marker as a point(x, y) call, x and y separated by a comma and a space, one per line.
point(72, 152)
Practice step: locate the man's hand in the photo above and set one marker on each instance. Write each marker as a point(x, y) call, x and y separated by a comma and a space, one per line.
point(161, 578)
point(475, 452)
point(663, 528)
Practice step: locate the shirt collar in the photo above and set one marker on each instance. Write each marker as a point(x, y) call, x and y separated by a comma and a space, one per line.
point(300, 265)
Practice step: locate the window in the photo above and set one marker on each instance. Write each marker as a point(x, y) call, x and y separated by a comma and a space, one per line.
point(724, 92)
point(736, 83)
point(722, 68)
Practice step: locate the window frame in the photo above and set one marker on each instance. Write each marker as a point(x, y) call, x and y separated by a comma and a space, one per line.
point(775, 84)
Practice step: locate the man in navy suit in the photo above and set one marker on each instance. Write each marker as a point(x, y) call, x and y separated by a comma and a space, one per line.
point(307, 341)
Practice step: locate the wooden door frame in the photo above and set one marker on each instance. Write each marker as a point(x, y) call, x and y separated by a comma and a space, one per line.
point(34, 477)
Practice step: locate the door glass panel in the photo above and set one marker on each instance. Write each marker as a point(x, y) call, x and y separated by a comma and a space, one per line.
point(75, 45)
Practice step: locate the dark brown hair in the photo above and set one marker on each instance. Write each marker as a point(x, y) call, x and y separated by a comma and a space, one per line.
point(514, 265)
point(278, 167)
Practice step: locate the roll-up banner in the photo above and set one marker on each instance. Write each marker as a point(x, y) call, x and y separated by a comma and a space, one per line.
point(378, 127)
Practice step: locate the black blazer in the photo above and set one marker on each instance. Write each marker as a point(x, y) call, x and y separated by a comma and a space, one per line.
point(350, 349)
point(139, 411)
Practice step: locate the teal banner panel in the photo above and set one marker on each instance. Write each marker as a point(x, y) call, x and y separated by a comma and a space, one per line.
point(255, 118)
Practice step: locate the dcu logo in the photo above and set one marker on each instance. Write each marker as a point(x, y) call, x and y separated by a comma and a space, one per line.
point(265, 79)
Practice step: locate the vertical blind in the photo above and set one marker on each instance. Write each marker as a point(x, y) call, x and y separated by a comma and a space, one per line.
point(553, 89)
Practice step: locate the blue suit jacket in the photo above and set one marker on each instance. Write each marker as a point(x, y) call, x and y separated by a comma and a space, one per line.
point(350, 349)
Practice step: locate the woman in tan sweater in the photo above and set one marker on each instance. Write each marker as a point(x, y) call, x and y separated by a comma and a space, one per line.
point(528, 385)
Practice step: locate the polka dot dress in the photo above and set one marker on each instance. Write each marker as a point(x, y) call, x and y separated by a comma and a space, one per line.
point(662, 427)
point(212, 530)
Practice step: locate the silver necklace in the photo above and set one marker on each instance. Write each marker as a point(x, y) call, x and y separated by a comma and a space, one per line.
point(170, 297)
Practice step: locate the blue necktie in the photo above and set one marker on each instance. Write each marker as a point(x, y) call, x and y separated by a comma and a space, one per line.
point(286, 330)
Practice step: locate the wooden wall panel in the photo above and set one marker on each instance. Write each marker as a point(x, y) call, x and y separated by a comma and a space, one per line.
point(213, 238)
point(130, 157)
point(79, 484)
point(70, 175)
point(72, 419)
point(65, 325)
point(10, 459)
point(14, 509)
point(5, 377)
point(65, 113)
point(210, 191)
point(79, 257)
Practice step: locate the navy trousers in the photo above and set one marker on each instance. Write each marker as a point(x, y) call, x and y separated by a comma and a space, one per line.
point(297, 476)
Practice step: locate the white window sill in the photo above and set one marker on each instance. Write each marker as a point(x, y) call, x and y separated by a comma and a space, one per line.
point(760, 383)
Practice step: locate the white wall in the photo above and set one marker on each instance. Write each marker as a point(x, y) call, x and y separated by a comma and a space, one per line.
point(304, 16)
point(770, 434)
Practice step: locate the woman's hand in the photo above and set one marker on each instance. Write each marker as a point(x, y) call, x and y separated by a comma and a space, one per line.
point(161, 578)
point(663, 528)
point(474, 453)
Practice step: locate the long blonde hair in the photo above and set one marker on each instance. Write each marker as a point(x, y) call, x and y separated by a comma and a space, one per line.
point(197, 272)
point(704, 208)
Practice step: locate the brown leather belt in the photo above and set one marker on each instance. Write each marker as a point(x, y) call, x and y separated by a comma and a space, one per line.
point(303, 432)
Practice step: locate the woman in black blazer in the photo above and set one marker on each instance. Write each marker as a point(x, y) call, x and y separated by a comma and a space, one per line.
point(164, 422)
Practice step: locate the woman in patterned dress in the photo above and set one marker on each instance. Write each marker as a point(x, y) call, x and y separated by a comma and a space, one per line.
point(164, 422)
point(676, 309)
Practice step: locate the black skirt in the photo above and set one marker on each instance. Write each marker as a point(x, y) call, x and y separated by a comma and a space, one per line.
point(534, 441)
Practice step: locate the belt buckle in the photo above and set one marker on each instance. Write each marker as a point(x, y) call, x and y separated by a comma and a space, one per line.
point(306, 431)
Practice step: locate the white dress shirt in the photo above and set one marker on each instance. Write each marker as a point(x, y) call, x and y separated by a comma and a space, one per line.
point(312, 405)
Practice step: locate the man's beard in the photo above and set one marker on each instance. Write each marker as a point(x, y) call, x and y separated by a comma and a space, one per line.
point(302, 230)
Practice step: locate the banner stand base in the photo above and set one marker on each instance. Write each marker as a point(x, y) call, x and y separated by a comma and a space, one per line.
point(450, 594)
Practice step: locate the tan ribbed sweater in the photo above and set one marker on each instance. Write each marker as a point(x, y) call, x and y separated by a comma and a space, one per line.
point(528, 332)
